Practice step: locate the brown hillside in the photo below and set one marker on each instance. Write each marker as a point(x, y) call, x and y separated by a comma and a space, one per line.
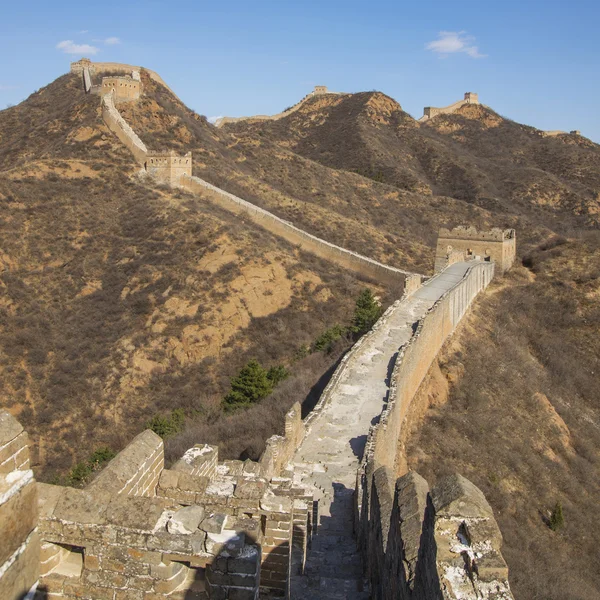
point(472, 155)
point(121, 300)
point(522, 417)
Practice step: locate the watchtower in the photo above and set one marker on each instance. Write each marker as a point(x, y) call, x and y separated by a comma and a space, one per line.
point(168, 166)
point(79, 65)
point(471, 98)
point(496, 245)
point(125, 88)
point(321, 89)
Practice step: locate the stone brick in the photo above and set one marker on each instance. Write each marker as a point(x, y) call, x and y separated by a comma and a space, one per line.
point(92, 563)
point(23, 572)
point(141, 583)
point(18, 515)
point(185, 520)
point(213, 523)
point(81, 506)
point(136, 512)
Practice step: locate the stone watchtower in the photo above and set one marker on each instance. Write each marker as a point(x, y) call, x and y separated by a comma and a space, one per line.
point(124, 88)
point(471, 98)
point(496, 245)
point(320, 89)
point(168, 167)
point(80, 65)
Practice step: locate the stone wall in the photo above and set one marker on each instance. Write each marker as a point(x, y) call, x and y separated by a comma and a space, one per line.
point(350, 260)
point(430, 111)
point(20, 547)
point(199, 530)
point(415, 358)
point(134, 471)
point(173, 169)
point(117, 124)
point(408, 547)
point(442, 544)
point(97, 68)
point(319, 90)
point(497, 245)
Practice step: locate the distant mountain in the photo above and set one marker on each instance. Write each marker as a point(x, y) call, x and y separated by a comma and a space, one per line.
point(474, 154)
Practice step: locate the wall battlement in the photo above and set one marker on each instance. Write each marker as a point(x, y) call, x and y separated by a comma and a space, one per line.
point(124, 88)
point(496, 245)
point(430, 111)
point(208, 529)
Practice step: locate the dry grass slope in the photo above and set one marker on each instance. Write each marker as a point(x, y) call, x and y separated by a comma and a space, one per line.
point(522, 420)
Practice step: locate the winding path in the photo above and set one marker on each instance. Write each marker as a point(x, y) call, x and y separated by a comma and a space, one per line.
point(328, 458)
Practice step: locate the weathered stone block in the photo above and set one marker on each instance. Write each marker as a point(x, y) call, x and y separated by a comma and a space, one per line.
point(228, 540)
point(253, 489)
point(139, 513)
point(23, 571)
point(213, 523)
point(169, 479)
point(81, 506)
point(186, 520)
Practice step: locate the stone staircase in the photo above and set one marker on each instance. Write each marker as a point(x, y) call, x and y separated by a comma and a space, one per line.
point(327, 460)
point(333, 569)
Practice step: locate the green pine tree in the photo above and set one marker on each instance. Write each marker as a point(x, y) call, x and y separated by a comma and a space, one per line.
point(366, 313)
point(277, 374)
point(251, 385)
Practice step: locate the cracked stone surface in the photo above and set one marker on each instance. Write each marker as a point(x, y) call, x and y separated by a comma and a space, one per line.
point(327, 460)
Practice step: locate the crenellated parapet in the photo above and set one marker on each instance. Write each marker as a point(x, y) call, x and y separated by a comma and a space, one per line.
point(201, 529)
point(494, 245)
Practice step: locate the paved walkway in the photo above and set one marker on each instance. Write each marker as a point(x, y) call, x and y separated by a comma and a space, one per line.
point(328, 459)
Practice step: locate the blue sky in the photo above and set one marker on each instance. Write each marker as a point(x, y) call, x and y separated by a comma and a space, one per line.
point(535, 62)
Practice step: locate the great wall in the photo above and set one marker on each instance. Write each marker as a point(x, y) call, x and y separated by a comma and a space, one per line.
point(318, 91)
point(329, 510)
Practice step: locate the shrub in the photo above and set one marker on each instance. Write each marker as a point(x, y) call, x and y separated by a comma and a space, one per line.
point(557, 519)
point(324, 343)
point(101, 456)
point(366, 313)
point(277, 374)
point(169, 425)
point(82, 472)
point(251, 385)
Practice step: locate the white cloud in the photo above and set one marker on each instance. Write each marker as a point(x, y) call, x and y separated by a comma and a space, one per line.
point(451, 42)
point(213, 120)
point(70, 47)
point(111, 41)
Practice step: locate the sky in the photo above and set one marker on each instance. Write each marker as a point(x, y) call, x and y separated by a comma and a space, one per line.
point(536, 62)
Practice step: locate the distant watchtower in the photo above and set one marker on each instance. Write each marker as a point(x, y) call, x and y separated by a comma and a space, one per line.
point(471, 98)
point(320, 89)
point(124, 88)
point(80, 65)
point(169, 166)
point(496, 245)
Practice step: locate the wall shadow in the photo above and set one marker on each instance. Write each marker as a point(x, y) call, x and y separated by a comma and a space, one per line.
point(313, 396)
